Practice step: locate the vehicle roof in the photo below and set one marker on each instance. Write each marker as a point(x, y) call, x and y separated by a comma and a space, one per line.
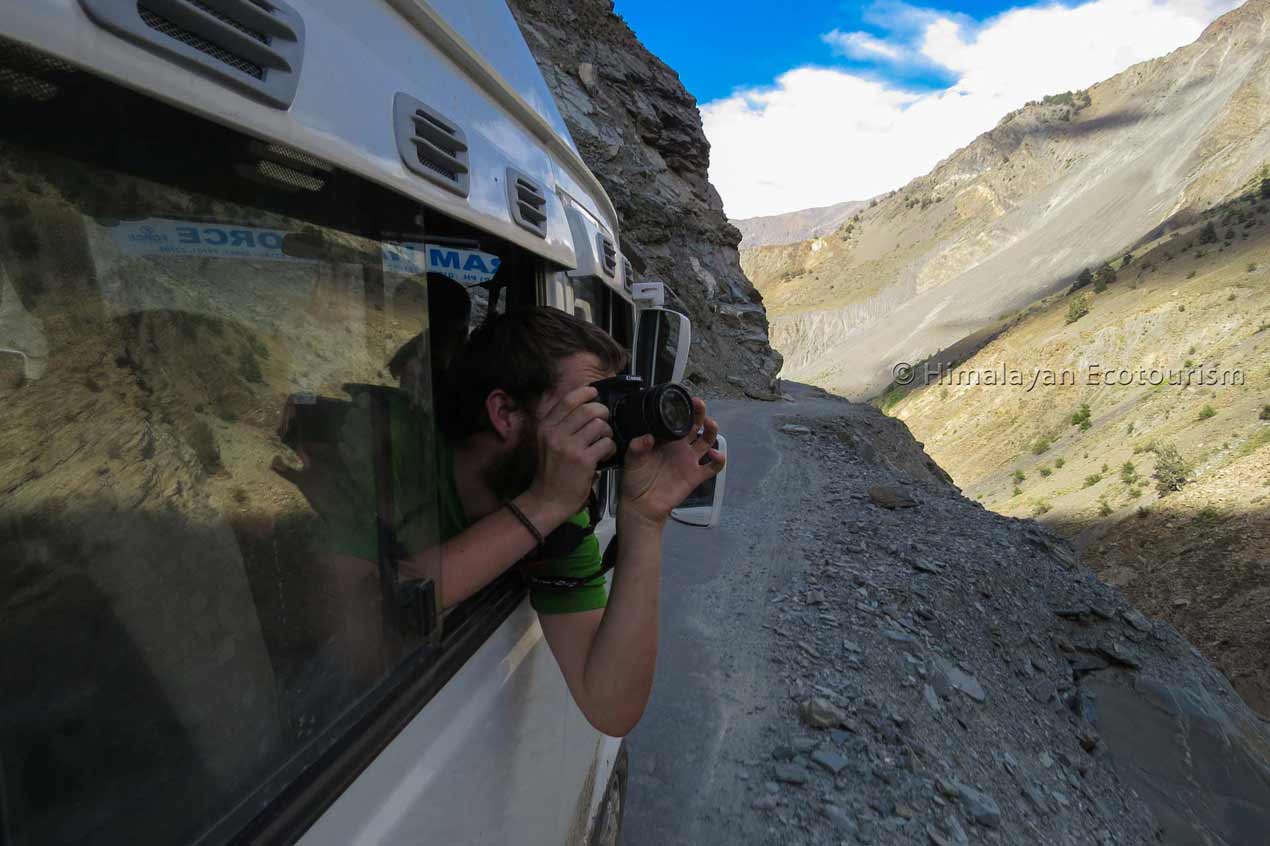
point(466, 59)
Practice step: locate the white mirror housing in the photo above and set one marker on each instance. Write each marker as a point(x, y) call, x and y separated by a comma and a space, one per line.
point(703, 506)
point(662, 341)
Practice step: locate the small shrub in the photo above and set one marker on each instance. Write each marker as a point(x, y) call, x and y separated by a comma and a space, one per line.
point(1059, 462)
point(1128, 473)
point(1252, 265)
point(1190, 275)
point(1019, 477)
point(1018, 491)
point(1208, 235)
point(1206, 412)
point(1040, 507)
point(1092, 479)
point(1181, 307)
point(1104, 509)
point(1172, 471)
point(1081, 417)
point(1046, 472)
point(1077, 309)
point(1104, 277)
point(1128, 430)
point(1041, 446)
point(1265, 412)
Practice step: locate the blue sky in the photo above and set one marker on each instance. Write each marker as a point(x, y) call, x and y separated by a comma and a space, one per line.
point(761, 40)
point(843, 101)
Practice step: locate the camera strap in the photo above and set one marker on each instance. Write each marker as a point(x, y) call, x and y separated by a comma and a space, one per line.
point(559, 543)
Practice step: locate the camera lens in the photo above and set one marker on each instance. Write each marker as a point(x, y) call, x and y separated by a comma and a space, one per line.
point(668, 411)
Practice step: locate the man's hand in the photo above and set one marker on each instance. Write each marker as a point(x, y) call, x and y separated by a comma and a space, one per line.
point(573, 438)
point(656, 479)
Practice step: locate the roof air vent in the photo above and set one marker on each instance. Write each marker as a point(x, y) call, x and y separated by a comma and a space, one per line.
point(628, 272)
point(528, 202)
point(285, 167)
point(430, 144)
point(253, 45)
point(608, 254)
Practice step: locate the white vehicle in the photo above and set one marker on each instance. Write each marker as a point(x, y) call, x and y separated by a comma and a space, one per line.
point(214, 213)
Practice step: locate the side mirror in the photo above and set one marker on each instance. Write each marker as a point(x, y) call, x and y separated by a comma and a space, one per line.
point(662, 341)
point(704, 505)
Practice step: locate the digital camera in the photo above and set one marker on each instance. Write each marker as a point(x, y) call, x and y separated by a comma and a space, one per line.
point(635, 410)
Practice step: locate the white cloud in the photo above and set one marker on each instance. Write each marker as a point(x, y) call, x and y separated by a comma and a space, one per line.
point(819, 135)
point(861, 45)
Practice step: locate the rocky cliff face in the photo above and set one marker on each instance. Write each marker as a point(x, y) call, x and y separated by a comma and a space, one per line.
point(1056, 186)
point(639, 130)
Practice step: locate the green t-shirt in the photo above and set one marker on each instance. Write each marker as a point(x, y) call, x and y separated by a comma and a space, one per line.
point(352, 529)
point(583, 563)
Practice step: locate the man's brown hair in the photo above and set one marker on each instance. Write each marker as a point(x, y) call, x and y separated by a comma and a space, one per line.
point(518, 352)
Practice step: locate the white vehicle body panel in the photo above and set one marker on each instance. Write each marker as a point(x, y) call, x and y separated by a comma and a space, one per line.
point(501, 754)
point(342, 109)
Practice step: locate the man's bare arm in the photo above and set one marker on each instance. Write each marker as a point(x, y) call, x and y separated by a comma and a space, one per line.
point(573, 438)
point(608, 656)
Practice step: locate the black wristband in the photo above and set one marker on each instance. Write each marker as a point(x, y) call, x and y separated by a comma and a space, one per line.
point(528, 524)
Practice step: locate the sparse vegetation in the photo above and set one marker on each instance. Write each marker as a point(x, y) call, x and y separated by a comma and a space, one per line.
point(1104, 508)
point(1265, 412)
point(1077, 309)
point(1080, 417)
point(1019, 477)
point(1047, 472)
point(1206, 412)
point(1172, 471)
point(1092, 479)
point(1040, 507)
point(1128, 473)
point(1041, 446)
point(1252, 266)
point(1208, 235)
point(1104, 277)
point(1059, 462)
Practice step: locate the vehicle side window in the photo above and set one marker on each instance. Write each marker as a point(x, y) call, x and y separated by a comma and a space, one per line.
point(219, 522)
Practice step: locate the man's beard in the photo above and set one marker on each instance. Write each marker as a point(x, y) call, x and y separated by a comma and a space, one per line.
point(511, 475)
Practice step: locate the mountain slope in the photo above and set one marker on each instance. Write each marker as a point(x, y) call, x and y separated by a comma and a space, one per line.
point(1055, 187)
point(640, 132)
point(793, 227)
point(1172, 355)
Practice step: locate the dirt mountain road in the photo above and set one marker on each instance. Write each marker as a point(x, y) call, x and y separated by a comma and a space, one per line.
point(861, 654)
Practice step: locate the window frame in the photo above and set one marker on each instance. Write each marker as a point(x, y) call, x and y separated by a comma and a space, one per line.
point(296, 791)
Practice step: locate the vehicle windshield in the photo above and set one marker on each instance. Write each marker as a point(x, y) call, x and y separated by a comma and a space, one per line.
point(207, 469)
